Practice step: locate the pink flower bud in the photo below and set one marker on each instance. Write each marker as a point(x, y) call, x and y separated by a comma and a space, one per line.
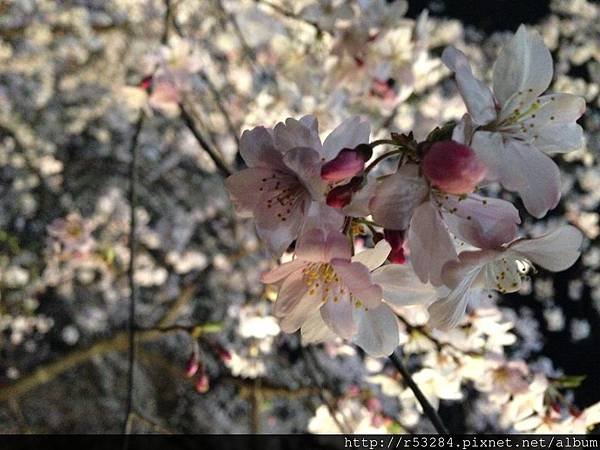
point(192, 366)
point(202, 384)
point(348, 163)
point(452, 167)
point(396, 240)
point(146, 83)
point(341, 196)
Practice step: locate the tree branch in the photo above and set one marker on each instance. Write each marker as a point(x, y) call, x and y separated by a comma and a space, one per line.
point(429, 411)
point(131, 269)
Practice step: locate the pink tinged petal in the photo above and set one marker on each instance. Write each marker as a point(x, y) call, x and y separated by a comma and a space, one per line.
point(453, 167)
point(401, 286)
point(294, 304)
point(257, 149)
point(319, 245)
point(559, 138)
point(523, 68)
point(556, 251)
point(357, 279)
point(296, 134)
point(373, 257)
point(430, 244)
point(320, 215)
point(447, 312)
point(397, 196)
point(349, 134)
point(305, 163)
point(315, 330)
point(311, 122)
point(279, 224)
point(463, 131)
point(476, 95)
point(489, 148)
point(346, 164)
point(454, 272)
point(291, 292)
point(378, 332)
point(533, 175)
point(483, 222)
point(338, 316)
point(283, 271)
point(244, 188)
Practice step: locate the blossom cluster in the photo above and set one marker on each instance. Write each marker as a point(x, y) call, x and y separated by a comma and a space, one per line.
point(75, 78)
point(447, 242)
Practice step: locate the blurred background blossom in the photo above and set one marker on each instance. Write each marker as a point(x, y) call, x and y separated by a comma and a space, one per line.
point(74, 78)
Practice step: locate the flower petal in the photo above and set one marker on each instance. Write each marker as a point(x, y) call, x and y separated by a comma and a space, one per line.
point(244, 188)
point(430, 244)
point(522, 168)
point(476, 95)
point(447, 312)
point(338, 317)
point(482, 222)
point(357, 278)
point(378, 332)
point(279, 225)
point(257, 149)
point(306, 164)
point(523, 66)
point(349, 134)
point(372, 258)
point(282, 271)
point(402, 287)
point(533, 175)
point(559, 138)
point(315, 330)
point(321, 215)
point(294, 133)
point(319, 245)
point(556, 251)
point(396, 197)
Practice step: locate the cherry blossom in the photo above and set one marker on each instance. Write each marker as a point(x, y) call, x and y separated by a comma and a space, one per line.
point(405, 200)
point(282, 188)
point(515, 128)
point(327, 292)
point(502, 269)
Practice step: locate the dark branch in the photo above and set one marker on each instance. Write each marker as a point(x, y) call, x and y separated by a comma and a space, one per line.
point(429, 411)
point(131, 269)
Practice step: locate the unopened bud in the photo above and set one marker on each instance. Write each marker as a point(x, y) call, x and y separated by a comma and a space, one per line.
point(396, 240)
point(202, 384)
point(341, 196)
point(348, 163)
point(192, 366)
point(452, 167)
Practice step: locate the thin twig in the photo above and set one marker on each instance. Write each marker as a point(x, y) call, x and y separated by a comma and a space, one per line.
point(131, 270)
point(429, 411)
point(214, 155)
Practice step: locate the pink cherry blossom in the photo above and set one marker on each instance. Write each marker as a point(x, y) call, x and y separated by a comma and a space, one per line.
point(282, 188)
point(502, 269)
point(327, 292)
point(515, 128)
point(405, 200)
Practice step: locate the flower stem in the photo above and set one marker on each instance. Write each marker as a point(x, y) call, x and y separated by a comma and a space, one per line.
point(429, 411)
point(381, 158)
